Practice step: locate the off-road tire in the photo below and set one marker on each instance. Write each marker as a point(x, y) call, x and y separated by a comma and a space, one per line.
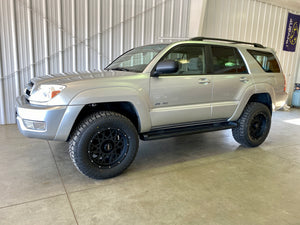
point(103, 145)
point(253, 126)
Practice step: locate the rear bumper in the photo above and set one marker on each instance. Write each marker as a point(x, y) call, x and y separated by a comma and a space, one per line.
point(56, 121)
point(281, 99)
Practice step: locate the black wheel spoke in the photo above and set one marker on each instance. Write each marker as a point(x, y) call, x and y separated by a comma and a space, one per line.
point(108, 147)
point(257, 126)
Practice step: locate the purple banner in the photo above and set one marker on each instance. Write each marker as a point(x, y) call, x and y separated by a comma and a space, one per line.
point(291, 33)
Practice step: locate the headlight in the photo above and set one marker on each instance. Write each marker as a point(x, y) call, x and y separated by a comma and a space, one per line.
point(45, 93)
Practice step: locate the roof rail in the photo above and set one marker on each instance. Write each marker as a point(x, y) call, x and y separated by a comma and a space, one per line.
point(227, 40)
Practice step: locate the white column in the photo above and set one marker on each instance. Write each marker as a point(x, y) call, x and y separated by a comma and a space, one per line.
point(197, 14)
point(297, 79)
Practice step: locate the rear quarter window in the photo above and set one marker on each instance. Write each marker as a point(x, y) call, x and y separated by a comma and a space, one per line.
point(266, 60)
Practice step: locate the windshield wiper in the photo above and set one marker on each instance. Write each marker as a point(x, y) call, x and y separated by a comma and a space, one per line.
point(119, 69)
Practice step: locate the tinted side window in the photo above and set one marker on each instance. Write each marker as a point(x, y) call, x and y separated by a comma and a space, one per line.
point(266, 60)
point(227, 60)
point(191, 59)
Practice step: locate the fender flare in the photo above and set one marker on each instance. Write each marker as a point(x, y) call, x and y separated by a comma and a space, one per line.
point(250, 91)
point(118, 94)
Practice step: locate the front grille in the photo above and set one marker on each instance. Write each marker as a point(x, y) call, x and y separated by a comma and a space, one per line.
point(28, 89)
point(28, 92)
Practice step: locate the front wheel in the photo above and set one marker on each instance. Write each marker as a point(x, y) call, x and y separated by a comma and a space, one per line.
point(253, 126)
point(103, 145)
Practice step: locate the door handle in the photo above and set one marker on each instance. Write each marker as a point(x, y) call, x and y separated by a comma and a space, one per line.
point(244, 79)
point(204, 81)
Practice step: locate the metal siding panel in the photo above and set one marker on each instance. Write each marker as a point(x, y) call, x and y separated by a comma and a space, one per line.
point(6, 51)
point(273, 22)
point(46, 39)
point(148, 35)
point(157, 28)
point(186, 17)
point(60, 37)
point(122, 18)
point(162, 27)
point(52, 6)
point(70, 36)
point(259, 22)
point(22, 39)
point(246, 20)
point(15, 48)
point(10, 95)
point(227, 18)
point(268, 25)
point(136, 18)
point(2, 102)
point(2, 90)
point(86, 36)
point(127, 24)
point(80, 31)
point(152, 22)
point(221, 28)
point(253, 20)
point(207, 27)
point(233, 20)
point(241, 10)
point(10, 70)
point(256, 22)
point(67, 35)
point(171, 18)
point(279, 25)
point(110, 30)
point(94, 32)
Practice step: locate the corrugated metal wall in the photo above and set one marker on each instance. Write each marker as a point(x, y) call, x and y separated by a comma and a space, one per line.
point(39, 37)
point(253, 21)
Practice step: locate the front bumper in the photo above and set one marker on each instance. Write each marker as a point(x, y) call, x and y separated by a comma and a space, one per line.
point(51, 116)
point(58, 120)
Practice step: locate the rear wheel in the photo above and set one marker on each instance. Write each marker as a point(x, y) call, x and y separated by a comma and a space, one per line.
point(253, 126)
point(103, 145)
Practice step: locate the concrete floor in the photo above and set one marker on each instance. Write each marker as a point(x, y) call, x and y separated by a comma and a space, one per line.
point(199, 179)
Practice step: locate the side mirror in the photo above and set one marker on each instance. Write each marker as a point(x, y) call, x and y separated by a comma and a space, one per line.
point(168, 66)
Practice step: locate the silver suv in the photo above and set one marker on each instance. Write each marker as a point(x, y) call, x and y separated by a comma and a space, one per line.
point(155, 91)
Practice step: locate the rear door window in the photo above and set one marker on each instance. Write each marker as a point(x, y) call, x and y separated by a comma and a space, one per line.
point(227, 60)
point(266, 60)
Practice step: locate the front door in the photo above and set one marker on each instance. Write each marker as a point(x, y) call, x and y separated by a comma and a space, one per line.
point(185, 96)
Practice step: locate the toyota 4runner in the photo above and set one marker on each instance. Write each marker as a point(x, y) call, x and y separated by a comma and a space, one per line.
point(155, 91)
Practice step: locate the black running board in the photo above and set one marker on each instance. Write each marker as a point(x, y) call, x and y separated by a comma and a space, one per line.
point(166, 133)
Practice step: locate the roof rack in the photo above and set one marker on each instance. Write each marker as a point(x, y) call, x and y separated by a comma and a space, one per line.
point(227, 40)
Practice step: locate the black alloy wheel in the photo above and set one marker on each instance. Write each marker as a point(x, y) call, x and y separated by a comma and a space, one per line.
point(253, 125)
point(257, 126)
point(108, 148)
point(104, 145)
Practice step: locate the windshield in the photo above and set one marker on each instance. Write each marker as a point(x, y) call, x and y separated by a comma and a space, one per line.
point(136, 59)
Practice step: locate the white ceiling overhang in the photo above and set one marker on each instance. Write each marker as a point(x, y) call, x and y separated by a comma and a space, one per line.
point(293, 5)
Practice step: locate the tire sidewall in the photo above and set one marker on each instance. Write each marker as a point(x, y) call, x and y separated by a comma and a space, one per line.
point(258, 109)
point(81, 156)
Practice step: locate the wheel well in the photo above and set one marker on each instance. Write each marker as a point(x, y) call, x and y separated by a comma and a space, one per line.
point(263, 98)
point(124, 108)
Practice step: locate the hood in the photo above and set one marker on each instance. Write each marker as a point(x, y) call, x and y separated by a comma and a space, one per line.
point(77, 83)
point(69, 78)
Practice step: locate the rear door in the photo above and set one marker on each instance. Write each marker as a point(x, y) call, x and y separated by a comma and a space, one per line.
point(230, 80)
